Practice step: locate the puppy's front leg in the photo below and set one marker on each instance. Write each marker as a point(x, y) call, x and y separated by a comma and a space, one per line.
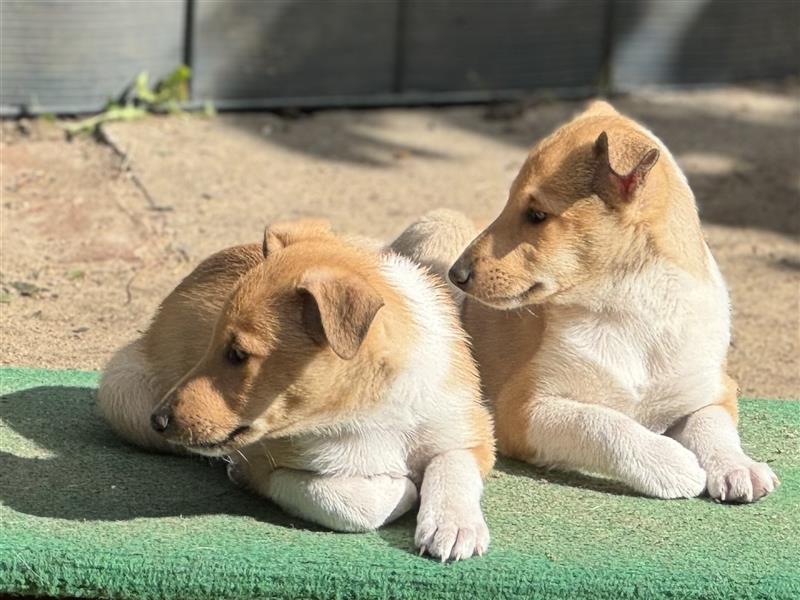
point(732, 475)
point(337, 502)
point(340, 503)
point(580, 436)
point(450, 523)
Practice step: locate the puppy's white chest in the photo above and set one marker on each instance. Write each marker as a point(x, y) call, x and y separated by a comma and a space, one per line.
point(654, 367)
point(613, 348)
point(630, 364)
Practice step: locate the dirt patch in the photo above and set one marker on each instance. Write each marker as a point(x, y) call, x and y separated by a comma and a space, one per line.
point(87, 254)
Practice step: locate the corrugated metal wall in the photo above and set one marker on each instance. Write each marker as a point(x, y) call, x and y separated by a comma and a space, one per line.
point(249, 53)
point(64, 57)
point(485, 46)
point(703, 41)
point(60, 56)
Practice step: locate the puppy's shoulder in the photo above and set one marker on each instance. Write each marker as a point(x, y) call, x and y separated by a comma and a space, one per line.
point(441, 361)
point(426, 294)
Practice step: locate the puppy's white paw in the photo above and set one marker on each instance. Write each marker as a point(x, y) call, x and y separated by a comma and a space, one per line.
point(452, 535)
point(673, 472)
point(741, 480)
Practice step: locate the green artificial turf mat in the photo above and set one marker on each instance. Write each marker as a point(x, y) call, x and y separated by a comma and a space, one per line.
point(83, 514)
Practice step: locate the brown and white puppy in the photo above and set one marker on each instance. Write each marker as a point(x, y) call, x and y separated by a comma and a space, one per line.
point(602, 323)
point(336, 378)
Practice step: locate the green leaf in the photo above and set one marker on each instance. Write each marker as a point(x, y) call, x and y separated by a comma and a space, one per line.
point(166, 96)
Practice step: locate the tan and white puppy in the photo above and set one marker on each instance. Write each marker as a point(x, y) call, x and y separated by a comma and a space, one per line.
point(336, 378)
point(603, 322)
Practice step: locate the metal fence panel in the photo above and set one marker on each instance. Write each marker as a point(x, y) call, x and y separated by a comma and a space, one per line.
point(483, 45)
point(72, 56)
point(703, 41)
point(256, 53)
point(59, 56)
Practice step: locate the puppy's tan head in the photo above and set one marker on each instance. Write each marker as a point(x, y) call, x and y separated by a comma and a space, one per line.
point(290, 349)
point(573, 211)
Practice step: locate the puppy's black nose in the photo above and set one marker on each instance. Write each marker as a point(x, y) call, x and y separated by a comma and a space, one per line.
point(159, 421)
point(460, 274)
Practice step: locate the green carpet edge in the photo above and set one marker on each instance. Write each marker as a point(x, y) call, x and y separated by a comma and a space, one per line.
point(22, 569)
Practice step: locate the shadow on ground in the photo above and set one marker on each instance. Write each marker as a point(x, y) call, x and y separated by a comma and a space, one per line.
point(737, 165)
point(84, 472)
point(516, 468)
point(80, 470)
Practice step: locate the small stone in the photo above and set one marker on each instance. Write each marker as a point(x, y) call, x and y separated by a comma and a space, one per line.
point(26, 288)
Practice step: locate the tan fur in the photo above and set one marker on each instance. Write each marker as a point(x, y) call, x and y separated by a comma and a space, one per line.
point(338, 308)
point(729, 397)
point(314, 291)
point(304, 388)
point(484, 453)
point(131, 385)
point(506, 341)
point(596, 108)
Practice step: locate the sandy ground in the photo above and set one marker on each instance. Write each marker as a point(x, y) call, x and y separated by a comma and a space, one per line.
point(87, 253)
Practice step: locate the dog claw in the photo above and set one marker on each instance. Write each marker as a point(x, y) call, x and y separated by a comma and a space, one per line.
point(742, 481)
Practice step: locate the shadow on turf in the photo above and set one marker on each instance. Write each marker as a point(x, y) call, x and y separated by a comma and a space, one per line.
point(93, 475)
point(510, 466)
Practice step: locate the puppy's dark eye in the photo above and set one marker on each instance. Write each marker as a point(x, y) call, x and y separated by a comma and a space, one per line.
point(236, 356)
point(536, 216)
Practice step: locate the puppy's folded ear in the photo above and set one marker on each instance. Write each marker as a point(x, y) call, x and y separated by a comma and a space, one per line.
point(614, 187)
point(338, 309)
point(280, 235)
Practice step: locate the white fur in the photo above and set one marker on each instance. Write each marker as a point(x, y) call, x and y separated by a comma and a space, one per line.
point(418, 416)
point(615, 373)
point(435, 241)
point(126, 397)
point(658, 339)
point(342, 503)
point(450, 523)
point(591, 437)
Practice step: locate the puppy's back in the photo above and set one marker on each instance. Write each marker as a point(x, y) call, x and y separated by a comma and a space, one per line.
point(175, 341)
point(181, 330)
